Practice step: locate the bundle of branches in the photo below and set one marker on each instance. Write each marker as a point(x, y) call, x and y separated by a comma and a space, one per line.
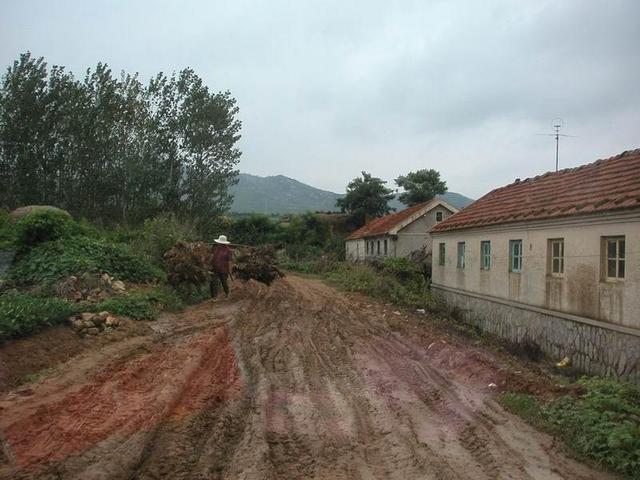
point(188, 263)
point(258, 263)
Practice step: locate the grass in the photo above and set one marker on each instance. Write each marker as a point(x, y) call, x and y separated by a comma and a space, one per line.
point(22, 314)
point(601, 423)
point(50, 261)
point(396, 281)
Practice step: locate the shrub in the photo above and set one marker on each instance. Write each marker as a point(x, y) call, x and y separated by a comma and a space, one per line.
point(7, 232)
point(603, 423)
point(136, 305)
point(163, 232)
point(22, 314)
point(166, 298)
point(254, 230)
point(53, 260)
point(44, 226)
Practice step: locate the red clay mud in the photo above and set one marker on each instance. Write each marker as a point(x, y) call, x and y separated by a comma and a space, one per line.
point(293, 381)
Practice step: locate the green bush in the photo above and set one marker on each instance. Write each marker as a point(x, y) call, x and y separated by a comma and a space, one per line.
point(7, 232)
point(166, 298)
point(163, 232)
point(394, 282)
point(601, 423)
point(136, 305)
point(51, 261)
point(44, 226)
point(254, 230)
point(22, 314)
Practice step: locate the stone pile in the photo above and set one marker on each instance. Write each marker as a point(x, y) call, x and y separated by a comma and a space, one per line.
point(89, 287)
point(93, 323)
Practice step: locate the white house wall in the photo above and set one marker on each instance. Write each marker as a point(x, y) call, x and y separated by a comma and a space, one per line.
point(580, 291)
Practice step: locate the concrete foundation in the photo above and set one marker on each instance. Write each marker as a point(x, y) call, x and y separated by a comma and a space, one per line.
point(593, 346)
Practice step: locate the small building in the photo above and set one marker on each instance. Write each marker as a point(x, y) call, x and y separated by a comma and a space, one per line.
point(553, 260)
point(398, 234)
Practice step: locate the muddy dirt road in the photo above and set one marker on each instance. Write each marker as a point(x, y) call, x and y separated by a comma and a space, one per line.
point(289, 381)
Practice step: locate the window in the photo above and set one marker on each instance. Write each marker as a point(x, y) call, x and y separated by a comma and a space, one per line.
point(485, 255)
point(441, 252)
point(556, 256)
point(378, 247)
point(615, 257)
point(461, 248)
point(385, 246)
point(438, 216)
point(515, 256)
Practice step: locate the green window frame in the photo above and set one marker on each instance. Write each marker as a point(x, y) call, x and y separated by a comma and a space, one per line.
point(485, 255)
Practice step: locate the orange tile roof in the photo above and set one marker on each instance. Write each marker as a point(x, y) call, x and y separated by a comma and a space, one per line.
point(382, 225)
point(601, 186)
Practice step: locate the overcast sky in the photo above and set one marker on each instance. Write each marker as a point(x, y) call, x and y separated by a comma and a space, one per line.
point(329, 88)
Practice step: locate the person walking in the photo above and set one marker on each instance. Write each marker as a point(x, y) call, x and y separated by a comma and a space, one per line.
point(222, 260)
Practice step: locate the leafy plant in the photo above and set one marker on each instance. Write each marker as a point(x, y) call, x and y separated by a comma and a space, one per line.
point(137, 306)
point(602, 423)
point(53, 260)
point(22, 314)
point(163, 232)
point(44, 226)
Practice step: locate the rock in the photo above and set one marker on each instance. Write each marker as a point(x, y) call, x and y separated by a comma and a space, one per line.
point(112, 321)
point(76, 323)
point(92, 331)
point(106, 279)
point(421, 310)
point(86, 316)
point(118, 286)
point(102, 315)
point(20, 213)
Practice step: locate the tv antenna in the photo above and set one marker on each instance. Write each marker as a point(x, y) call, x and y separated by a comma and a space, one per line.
point(557, 124)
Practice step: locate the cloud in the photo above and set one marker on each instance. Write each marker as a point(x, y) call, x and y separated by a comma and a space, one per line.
point(327, 89)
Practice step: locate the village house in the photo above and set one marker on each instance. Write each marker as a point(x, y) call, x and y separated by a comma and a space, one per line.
point(553, 260)
point(398, 234)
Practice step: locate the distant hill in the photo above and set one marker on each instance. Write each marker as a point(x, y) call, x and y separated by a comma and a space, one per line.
point(280, 194)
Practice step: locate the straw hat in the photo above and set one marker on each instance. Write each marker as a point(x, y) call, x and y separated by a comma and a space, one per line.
point(222, 239)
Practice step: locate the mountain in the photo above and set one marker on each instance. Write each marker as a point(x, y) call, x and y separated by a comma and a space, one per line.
point(280, 194)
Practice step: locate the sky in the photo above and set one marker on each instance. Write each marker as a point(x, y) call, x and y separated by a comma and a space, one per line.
point(327, 89)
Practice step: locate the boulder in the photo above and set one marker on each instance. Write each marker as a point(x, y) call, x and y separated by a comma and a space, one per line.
point(118, 286)
point(92, 331)
point(20, 213)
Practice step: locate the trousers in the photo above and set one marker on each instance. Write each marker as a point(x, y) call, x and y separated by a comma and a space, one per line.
point(223, 279)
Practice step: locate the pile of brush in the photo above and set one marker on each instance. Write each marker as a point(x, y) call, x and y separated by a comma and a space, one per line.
point(257, 263)
point(188, 263)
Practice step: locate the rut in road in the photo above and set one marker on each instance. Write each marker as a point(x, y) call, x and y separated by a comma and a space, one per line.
point(289, 381)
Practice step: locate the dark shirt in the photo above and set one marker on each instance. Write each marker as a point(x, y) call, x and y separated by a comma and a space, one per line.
point(221, 257)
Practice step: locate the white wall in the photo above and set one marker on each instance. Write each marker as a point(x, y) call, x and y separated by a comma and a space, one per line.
point(581, 290)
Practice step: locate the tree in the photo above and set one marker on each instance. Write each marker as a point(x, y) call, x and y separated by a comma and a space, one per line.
point(113, 149)
point(420, 186)
point(366, 197)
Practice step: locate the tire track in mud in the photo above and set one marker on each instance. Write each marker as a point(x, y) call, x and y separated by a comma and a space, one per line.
point(299, 382)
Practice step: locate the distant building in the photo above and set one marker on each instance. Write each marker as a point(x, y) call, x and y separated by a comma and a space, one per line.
point(398, 234)
point(555, 260)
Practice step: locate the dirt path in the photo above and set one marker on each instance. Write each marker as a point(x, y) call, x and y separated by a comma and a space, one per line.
point(290, 381)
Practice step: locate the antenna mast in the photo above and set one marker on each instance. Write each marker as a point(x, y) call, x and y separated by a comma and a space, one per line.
point(557, 124)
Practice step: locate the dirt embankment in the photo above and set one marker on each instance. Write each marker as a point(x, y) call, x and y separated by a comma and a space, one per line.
point(289, 381)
